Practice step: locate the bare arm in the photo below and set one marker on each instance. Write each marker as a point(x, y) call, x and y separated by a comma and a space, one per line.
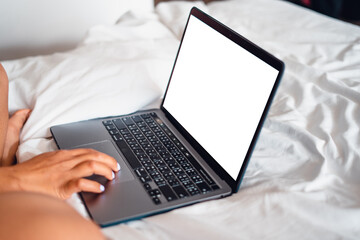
point(4, 113)
point(59, 173)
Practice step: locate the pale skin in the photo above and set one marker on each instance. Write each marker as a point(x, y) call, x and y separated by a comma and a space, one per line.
point(32, 190)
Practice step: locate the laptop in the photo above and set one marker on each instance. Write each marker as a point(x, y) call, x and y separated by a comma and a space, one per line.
point(196, 146)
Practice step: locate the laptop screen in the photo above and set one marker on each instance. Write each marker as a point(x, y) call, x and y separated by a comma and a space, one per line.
point(218, 92)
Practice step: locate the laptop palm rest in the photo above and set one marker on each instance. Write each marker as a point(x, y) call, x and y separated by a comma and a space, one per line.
point(118, 192)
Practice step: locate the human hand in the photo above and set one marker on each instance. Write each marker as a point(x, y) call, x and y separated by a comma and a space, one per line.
point(14, 126)
point(60, 173)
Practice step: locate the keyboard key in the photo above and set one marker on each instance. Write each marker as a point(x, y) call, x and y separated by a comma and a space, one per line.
point(131, 141)
point(160, 181)
point(139, 152)
point(132, 127)
point(186, 166)
point(164, 170)
point(146, 115)
point(150, 168)
point(137, 119)
point(178, 172)
point(147, 186)
point(127, 121)
point(150, 120)
point(139, 137)
point(135, 146)
point(154, 192)
point(110, 127)
point(147, 147)
point(127, 136)
point(141, 124)
point(113, 132)
point(155, 157)
point(135, 131)
point(193, 190)
point(196, 179)
point(180, 191)
point(142, 157)
point(203, 187)
point(107, 122)
point(147, 163)
point(130, 157)
point(174, 167)
point(145, 129)
point(155, 175)
point(124, 131)
point(156, 200)
point(169, 175)
point(183, 177)
point(141, 172)
point(119, 124)
point(168, 193)
point(150, 150)
point(173, 182)
point(117, 137)
point(145, 179)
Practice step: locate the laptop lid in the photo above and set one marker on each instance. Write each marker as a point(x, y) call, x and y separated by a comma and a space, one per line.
point(220, 91)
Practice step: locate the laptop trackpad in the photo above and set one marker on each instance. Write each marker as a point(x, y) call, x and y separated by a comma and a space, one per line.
point(108, 148)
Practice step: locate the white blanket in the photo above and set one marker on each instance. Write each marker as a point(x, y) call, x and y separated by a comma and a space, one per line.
point(303, 179)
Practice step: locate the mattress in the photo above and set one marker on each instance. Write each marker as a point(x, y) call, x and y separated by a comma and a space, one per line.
point(303, 179)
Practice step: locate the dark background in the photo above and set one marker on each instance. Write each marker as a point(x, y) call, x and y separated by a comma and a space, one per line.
point(347, 10)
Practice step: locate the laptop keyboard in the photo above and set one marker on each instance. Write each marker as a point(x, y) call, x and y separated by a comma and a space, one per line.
point(158, 158)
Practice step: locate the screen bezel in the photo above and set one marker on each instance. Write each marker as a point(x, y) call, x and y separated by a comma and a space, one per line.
point(258, 52)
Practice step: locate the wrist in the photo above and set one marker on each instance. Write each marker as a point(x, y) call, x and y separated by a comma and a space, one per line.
point(9, 180)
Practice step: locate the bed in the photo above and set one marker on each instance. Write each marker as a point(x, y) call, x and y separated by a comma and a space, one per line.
point(303, 181)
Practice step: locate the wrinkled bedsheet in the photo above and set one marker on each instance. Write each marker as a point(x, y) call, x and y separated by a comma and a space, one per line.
point(303, 181)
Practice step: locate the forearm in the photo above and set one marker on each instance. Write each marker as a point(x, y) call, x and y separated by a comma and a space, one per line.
point(4, 113)
point(9, 181)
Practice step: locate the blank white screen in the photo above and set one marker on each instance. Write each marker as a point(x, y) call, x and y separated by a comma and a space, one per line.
point(218, 92)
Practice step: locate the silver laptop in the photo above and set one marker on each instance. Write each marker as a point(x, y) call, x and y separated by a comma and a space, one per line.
point(197, 144)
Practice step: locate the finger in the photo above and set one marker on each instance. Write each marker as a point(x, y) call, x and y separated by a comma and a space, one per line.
point(89, 168)
point(81, 185)
point(103, 158)
point(90, 154)
point(72, 158)
point(74, 152)
point(20, 116)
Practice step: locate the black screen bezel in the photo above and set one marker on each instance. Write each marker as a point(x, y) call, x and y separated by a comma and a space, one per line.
point(258, 52)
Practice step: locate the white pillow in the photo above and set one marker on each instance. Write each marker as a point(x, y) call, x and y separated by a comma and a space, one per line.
point(118, 69)
point(37, 27)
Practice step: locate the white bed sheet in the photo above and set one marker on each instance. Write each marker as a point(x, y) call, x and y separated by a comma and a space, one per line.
point(303, 179)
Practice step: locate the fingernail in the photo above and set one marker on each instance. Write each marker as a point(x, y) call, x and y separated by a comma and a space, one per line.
point(102, 188)
point(118, 166)
point(113, 175)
